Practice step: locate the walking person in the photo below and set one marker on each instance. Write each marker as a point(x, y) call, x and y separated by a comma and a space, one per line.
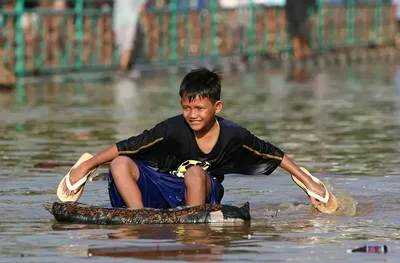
point(297, 14)
point(126, 14)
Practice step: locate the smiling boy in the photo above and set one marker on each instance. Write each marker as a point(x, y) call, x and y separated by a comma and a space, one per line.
point(183, 159)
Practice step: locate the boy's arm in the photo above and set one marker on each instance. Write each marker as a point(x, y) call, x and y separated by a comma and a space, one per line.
point(145, 143)
point(105, 156)
point(276, 157)
point(134, 146)
point(288, 165)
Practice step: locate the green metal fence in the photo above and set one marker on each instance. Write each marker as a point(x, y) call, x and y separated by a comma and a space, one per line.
point(80, 38)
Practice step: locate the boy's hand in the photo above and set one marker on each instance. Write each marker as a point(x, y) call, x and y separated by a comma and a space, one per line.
point(330, 207)
point(310, 185)
point(74, 176)
point(68, 192)
point(316, 188)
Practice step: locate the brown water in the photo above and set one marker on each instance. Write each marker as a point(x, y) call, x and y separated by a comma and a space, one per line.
point(342, 124)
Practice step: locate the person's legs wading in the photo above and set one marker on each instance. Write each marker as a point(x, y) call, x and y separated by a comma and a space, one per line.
point(293, 30)
point(296, 45)
point(127, 45)
point(304, 38)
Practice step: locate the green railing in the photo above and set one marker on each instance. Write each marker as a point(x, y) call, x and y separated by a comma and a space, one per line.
point(80, 38)
point(355, 25)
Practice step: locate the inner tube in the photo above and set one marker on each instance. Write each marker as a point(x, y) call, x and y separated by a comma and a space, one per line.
point(74, 212)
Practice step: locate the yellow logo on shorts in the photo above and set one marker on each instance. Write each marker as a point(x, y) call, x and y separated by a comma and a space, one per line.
point(180, 172)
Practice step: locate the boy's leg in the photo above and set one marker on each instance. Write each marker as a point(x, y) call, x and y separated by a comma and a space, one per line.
point(125, 174)
point(198, 186)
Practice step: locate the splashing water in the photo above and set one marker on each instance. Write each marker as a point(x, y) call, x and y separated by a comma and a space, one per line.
point(346, 204)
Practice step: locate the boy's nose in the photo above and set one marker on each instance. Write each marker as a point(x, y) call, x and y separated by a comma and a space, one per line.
point(193, 114)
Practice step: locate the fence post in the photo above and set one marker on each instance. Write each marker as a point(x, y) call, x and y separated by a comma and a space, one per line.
point(173, 9)
point(19, 39)
point(278, 33)
point(350, 23)
point(321, 26)
point(214, 31)
point(253, 37)
point(332, 22)
point(79, 34)
point(378, 22)
point(20, 93)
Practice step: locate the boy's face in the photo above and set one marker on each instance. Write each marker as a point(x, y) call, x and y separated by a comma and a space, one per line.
point(199, 112)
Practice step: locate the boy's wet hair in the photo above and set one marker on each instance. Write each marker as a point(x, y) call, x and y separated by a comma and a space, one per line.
point(201, 82)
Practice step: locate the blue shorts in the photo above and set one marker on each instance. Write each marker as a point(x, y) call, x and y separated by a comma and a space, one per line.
point(161, 190)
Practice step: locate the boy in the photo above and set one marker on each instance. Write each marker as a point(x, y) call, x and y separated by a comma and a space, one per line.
point(190, 152)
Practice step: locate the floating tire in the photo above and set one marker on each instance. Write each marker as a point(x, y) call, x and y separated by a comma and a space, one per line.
point(73, 212)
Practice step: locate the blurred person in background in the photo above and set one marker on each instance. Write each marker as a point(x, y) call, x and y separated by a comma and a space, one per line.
point(397, 3)
point(126, 14)
point(297, 14)
point(7, 34)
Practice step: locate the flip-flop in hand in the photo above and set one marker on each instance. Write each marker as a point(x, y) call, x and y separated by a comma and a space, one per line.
point(72, 184)
point(68, 192)
point(326, 203)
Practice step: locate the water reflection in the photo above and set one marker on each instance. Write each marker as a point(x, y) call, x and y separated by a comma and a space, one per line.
point(193, 253)
point(299, 73)
point(205, 242)
point(200, 234)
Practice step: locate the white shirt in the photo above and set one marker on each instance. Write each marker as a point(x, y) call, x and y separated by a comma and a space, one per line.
point(126, 12)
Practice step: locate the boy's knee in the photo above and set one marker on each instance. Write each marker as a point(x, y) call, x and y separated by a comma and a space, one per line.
point(124, 162)
point(195, 175)
point(119, 162)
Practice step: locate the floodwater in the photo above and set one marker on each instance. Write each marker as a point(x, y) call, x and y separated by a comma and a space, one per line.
point(343, 124)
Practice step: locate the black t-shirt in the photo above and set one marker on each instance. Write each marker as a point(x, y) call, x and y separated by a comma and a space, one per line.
point(172, 142)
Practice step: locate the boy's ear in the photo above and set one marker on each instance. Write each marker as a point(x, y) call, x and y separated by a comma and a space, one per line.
point(218, 106)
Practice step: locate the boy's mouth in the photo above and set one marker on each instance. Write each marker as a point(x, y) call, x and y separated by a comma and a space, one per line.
point(194, 123)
